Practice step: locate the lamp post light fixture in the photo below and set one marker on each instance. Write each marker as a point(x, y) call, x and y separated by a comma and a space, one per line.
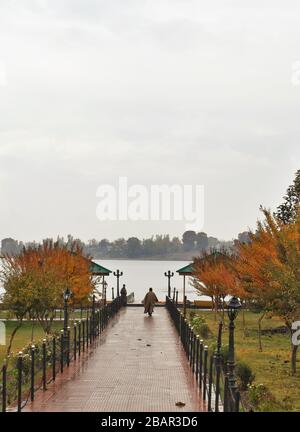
point(104, 291)
point(93, 316)
point(233, 308)
point(118, 274)
point(169, 275)
point(67, 295)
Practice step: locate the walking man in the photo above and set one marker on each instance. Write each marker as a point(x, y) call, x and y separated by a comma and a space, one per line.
point(124, 295)
point(149, 302)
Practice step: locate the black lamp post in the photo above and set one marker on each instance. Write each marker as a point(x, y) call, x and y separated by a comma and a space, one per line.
point(169, 275)
point(93, 316)
point(104, 291)
point(118, 274)
point(233, 308)
point(67, 295)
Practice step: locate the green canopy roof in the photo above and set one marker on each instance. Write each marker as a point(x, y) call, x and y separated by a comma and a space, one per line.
point(187, 270)
point(97, 269)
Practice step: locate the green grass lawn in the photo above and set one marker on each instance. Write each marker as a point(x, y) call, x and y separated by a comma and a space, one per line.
point(271, 366)
point(23, 336)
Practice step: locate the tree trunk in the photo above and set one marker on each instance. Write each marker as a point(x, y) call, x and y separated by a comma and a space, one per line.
point(244, 320)
point(259, 332)
point(214, 307)
point(11, 340)
point(294, 359)
point(223, 309)
point(32, 329)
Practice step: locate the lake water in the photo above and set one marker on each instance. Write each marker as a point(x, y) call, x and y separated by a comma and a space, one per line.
point(139, 276)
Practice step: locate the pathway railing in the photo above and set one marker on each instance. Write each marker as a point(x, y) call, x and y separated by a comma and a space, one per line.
point(38, 365)
point(130, 298)
point(208, 367)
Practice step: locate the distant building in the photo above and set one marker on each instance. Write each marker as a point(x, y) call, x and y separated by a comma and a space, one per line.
point(10, 246)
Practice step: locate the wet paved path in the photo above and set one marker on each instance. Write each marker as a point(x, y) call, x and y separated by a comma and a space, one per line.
point(136, 365)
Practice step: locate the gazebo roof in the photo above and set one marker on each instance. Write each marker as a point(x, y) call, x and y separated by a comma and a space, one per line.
point(187, 270)
point(97, 269)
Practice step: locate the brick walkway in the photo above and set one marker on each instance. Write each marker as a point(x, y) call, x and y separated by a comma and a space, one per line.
point(136, 365)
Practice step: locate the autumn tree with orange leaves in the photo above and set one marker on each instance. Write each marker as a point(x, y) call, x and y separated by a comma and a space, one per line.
point(216, 277)
point(264, 273)
point(270, 268)
point(34, 282)
point(250, 265)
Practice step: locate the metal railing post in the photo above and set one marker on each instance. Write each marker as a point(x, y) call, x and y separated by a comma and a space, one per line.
point(191, 345)
point(4, 396)
point(184, 334)
point(44, 364)
point(189, 342)
point(53, 358)
point(225, 403)
point(201, 363)
point(32, 349)
point(62, 348)
point(194, 352)
point(83, 336)
point(20, 372)
point(68, 345)
point(99, 318)
point(205, 372)
point(197, 357)
point(237, 401)
point(210, 382)
point(79, 338)
point(87, 332)
point(75, 340)
point(218, 366)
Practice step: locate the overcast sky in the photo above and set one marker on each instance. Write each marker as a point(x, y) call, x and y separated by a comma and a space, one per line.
point(160, 91)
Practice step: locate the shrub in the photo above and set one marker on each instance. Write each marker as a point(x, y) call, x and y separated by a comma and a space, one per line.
point(192, 315)
point(200, 326)
point(204, 330)
point(256, 393)
point(244, 375)
point(261, 398)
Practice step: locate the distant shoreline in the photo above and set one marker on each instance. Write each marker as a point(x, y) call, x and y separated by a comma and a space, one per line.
point(141, 259)
point(173, 257)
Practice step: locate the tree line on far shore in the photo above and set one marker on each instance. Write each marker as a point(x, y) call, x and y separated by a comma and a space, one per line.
point(159, 246)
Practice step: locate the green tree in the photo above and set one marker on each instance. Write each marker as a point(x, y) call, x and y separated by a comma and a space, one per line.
point(189, 240)
point(118, 248)
point(17, 297)
point(133, 247)
point(201, 241)
point(287, 211)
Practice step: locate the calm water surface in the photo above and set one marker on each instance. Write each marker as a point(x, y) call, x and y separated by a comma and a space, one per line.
point(139, 276)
